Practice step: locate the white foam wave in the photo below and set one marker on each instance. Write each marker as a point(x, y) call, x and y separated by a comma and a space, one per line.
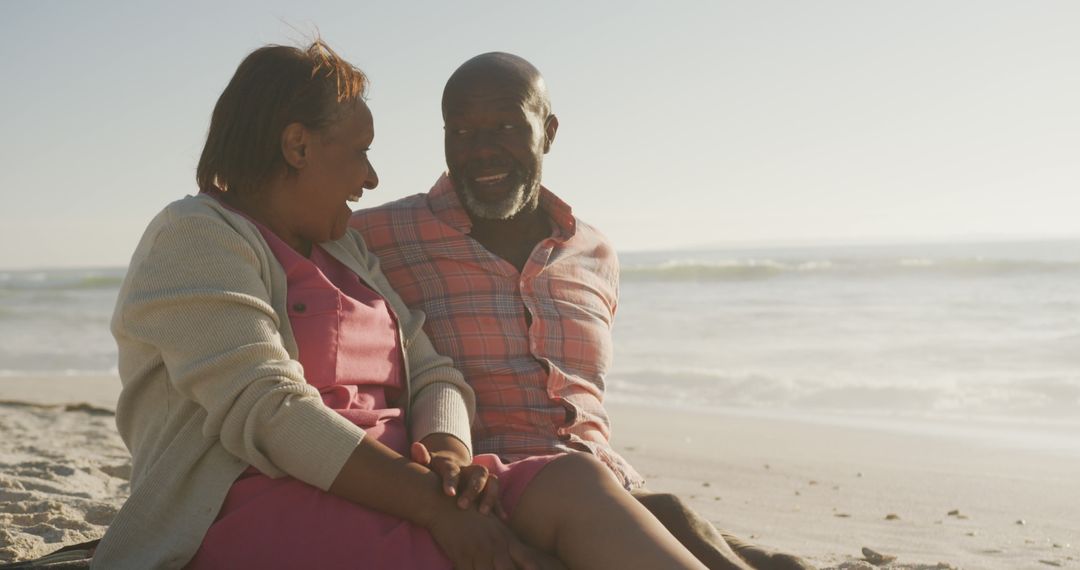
point(65, 372)
point(1050, 399)
point(689, 269)
point(61, 279)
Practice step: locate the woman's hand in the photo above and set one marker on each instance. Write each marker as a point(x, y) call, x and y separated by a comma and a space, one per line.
point(377, 477)
point(449, 458)
point(479, 542)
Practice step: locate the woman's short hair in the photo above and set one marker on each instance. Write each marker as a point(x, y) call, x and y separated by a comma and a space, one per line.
point(274, 87)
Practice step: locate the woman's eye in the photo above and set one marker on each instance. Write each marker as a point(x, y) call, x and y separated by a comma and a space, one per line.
point(508, 127)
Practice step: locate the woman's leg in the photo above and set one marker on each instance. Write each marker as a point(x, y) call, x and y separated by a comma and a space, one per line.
point(575, 508)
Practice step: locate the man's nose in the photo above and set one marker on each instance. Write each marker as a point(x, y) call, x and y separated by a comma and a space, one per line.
point(482, 143)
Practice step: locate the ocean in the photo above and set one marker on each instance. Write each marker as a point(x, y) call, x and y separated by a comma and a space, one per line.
point(944, 335)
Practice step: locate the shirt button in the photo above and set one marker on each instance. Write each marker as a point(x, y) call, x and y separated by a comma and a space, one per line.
point(299, 307)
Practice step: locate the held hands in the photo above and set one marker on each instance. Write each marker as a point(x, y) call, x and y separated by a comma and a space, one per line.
point(471, 538)
point(471, 484)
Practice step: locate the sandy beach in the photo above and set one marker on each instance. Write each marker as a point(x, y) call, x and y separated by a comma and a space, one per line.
point(824, 491)
point(827, 491)
point(63, 468)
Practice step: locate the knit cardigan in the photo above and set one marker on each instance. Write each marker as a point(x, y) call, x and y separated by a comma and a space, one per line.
point(211, 381)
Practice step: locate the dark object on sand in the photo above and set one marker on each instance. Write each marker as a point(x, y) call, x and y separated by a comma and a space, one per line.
point(876, 558)
point(764, 558)
point(70, 557)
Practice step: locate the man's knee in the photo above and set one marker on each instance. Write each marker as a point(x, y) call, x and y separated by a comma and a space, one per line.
point(574, 476)
point(663, 505)
point(584, 467)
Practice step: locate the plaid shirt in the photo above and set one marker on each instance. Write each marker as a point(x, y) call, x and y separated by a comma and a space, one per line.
point(539, 384)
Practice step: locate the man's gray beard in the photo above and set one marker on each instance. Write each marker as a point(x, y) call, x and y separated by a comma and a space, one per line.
point(504, 209)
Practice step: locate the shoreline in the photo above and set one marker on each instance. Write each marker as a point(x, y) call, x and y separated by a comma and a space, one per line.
point(1055, 436)
point(1059, 436)
point(819, 490)
point(98, 390)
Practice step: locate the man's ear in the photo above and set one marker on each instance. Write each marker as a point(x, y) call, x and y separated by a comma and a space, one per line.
point(294, 141)
point(551, 126)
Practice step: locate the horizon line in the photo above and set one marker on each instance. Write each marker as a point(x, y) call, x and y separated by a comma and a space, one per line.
point(810, 243)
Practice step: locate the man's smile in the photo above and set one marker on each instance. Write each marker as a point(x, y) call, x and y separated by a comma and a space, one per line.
point(491, 178)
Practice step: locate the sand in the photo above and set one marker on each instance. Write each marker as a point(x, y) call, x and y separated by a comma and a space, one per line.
point(819, 490)
point(827, 491)
point(63, 469)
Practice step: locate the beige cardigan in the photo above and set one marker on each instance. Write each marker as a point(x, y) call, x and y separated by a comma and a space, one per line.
point(211, 383)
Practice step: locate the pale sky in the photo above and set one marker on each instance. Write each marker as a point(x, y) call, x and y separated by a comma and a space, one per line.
point(681, 123)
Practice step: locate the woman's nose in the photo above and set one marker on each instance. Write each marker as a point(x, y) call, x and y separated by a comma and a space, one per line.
point(372, 178)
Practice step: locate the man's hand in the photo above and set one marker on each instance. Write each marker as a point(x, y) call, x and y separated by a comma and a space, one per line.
point(449, 458)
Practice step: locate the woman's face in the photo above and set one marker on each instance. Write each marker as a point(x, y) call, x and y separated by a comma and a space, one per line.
point(337, 171)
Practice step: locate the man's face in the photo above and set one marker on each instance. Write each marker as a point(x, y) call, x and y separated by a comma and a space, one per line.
point(495, 140)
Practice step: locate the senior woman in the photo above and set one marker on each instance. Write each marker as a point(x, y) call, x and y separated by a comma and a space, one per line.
point(272, 379)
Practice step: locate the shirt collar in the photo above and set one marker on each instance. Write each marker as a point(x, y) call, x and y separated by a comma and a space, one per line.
point(447, 207)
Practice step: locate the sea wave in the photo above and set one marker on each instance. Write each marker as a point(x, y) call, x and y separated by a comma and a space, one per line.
point(59, 372)
point(737, 269)
point(15, 281)
point(1054, 399)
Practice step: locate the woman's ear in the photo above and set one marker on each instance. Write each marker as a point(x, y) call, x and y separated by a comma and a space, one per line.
point(294, 142)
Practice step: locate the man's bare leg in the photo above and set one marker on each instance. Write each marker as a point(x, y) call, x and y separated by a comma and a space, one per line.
point(716, 550)
point(576, 509)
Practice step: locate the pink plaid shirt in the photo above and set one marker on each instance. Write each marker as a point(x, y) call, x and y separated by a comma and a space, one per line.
point(539, 383)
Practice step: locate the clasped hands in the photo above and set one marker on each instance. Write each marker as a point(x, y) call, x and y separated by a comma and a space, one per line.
point(473, 538)
point(472, 484)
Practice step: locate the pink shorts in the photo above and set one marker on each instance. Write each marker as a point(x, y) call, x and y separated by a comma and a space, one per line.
point(285, 523)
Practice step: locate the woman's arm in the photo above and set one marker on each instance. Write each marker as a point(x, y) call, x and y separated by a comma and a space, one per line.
point(197, 302)
point(441, 401)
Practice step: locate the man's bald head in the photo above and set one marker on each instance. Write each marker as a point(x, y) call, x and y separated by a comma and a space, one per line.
point(498, 127)
point(501, 69)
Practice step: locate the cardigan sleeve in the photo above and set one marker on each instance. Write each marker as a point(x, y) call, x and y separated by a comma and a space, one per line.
point(199, 297)
point(441, 400)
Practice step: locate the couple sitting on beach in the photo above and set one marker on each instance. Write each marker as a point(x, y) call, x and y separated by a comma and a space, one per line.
point(285, 395)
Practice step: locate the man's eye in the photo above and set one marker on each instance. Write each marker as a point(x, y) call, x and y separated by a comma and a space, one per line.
point(508, 127)
point(461, 132)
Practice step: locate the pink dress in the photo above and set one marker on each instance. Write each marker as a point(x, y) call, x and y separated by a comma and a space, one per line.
point(349, 347)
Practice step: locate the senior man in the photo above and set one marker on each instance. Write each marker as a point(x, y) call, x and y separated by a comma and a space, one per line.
point(519, 292)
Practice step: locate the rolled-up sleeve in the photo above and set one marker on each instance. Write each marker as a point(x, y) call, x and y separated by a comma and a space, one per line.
point(199, 297)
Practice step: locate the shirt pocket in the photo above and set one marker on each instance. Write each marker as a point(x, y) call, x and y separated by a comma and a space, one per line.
point(315, 317)
point(312, 302)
